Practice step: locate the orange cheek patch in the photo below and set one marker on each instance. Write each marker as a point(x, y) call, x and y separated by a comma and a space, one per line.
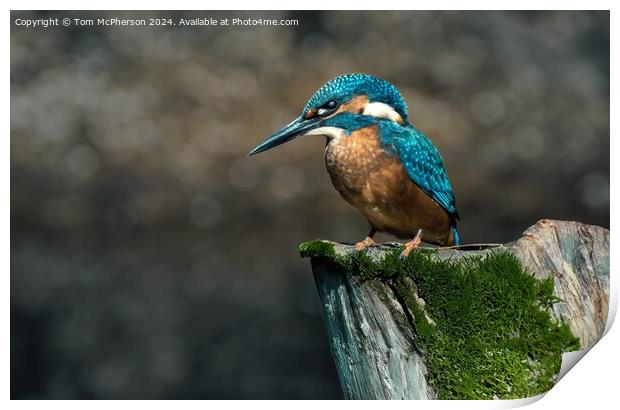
point(311, 114)
point(356, 105)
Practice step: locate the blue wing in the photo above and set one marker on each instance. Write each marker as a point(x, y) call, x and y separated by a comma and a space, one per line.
point(422, 162)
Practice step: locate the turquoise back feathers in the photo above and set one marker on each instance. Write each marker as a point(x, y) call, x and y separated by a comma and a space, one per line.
point(421, 160)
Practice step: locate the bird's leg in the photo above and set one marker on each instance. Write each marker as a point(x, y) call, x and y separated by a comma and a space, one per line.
point(361, 245)
point(411, 245)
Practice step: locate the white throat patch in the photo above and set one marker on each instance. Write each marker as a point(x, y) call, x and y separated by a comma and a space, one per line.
point(382, 110)
point(329, 132)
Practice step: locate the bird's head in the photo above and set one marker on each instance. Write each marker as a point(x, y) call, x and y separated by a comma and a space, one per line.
point(342, 105)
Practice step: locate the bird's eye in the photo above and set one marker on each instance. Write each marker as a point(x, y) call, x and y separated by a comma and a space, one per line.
point(330, 105)
point(327, 108)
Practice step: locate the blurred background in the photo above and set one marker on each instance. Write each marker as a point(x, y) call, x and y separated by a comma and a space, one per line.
point(150, 258)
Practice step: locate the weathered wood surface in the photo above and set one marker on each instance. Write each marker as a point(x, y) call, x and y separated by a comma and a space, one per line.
point(367, 327)
point(577, 256)
point(370, 339)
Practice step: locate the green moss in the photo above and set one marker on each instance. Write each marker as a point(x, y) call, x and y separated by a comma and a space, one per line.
point(422, 327)
point(317, 249)
point(494, 335)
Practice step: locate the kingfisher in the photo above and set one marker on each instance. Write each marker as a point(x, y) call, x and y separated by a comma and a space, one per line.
point(378, 161)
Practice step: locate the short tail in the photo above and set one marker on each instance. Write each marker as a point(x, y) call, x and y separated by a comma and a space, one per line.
point(455, 234)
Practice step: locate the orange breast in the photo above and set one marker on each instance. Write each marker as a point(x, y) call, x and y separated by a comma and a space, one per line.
point(377, 185)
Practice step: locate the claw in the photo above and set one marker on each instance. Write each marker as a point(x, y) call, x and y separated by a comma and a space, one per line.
point(411, 245)
point(362, 245)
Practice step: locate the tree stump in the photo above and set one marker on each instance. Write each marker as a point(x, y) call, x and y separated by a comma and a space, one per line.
point(388, 344)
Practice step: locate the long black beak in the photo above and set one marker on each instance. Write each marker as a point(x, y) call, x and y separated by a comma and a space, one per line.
point(296, 128)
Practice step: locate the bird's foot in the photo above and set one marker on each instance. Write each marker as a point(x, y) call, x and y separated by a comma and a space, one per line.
point(362, 245)
point(411, 245)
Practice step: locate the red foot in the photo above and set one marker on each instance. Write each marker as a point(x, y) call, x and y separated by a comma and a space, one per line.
point(414, 243)
point(361, 245)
